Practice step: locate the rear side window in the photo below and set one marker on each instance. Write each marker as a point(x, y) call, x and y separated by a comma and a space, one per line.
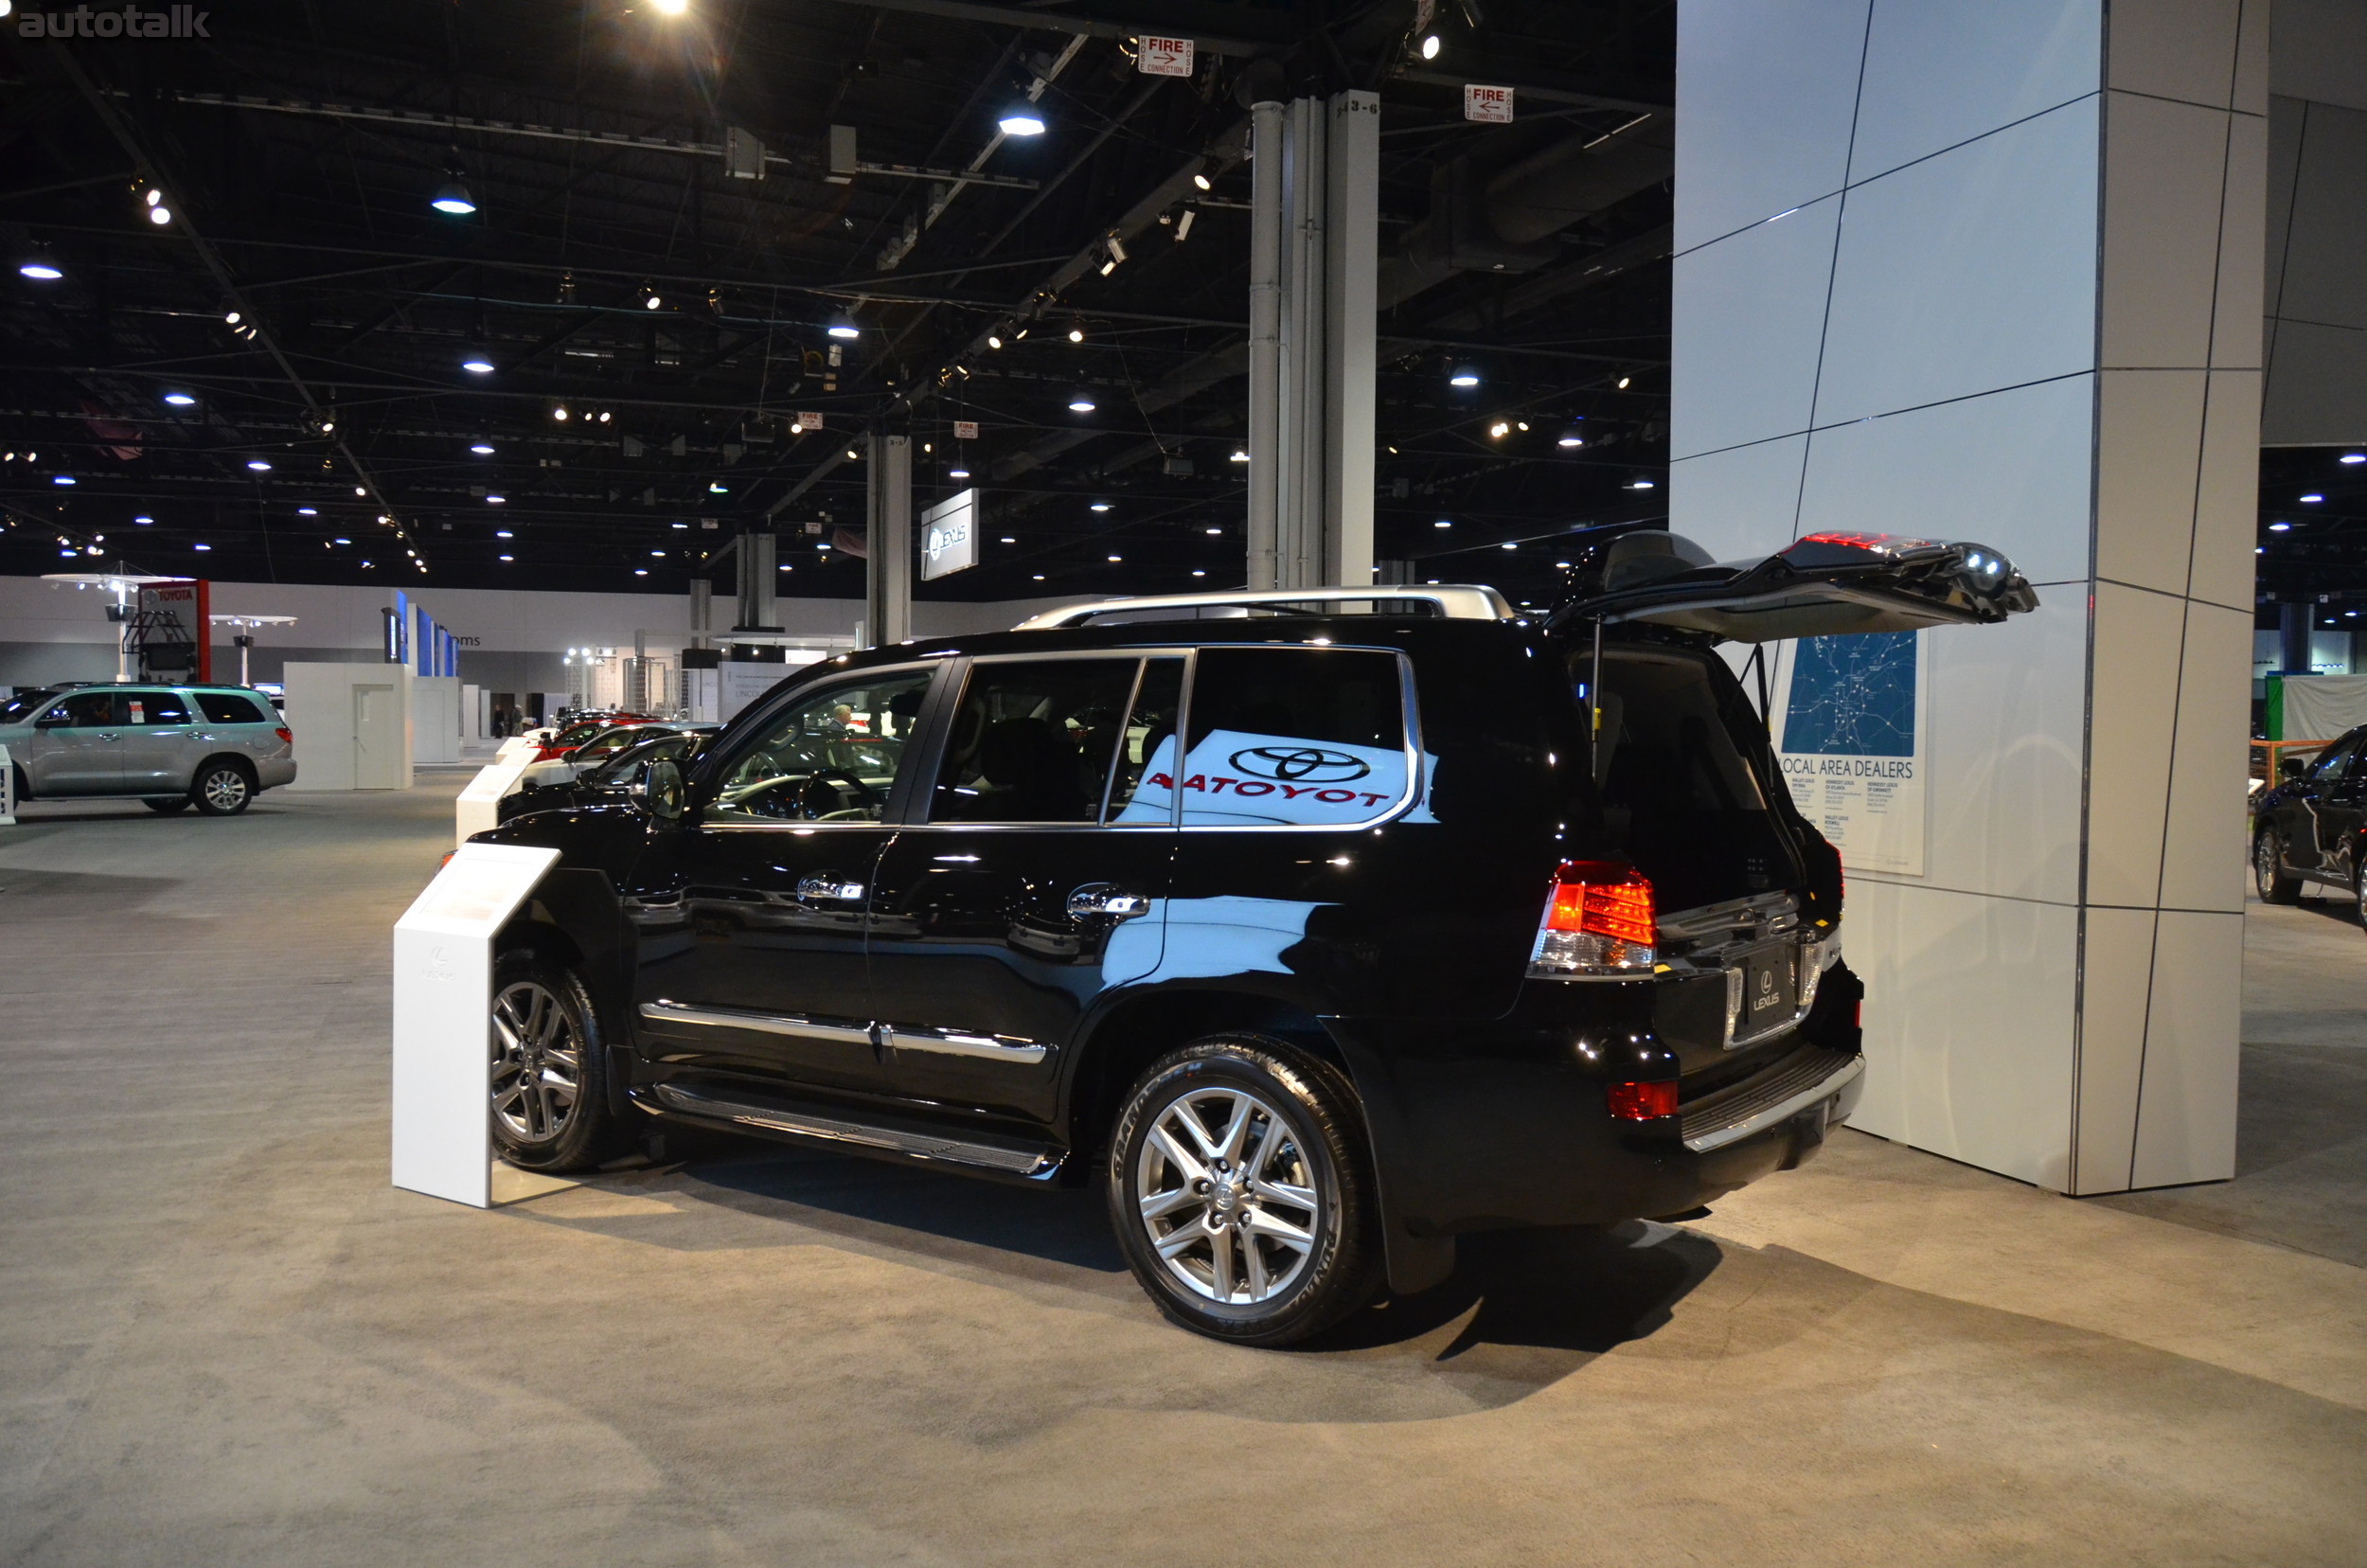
point(1288, 737)
point(225, 707)
point(1032, 740)
point(156, 707)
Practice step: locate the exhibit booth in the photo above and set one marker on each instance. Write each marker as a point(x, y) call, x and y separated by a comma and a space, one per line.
point(352, 723)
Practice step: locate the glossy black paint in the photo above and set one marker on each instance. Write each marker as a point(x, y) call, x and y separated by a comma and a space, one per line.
point(2322, 815)
point(1398, 948)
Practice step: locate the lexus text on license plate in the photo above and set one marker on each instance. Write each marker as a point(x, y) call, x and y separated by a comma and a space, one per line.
point(1771, 988)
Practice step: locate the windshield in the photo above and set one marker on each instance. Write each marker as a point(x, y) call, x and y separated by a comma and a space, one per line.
point(626, 764)
point(576, 735)
point(21, 707)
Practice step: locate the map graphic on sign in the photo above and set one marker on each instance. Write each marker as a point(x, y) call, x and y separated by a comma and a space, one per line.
point(1853, 696)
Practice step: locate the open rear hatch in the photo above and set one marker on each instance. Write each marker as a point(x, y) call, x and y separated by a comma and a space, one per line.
point(1826, 584)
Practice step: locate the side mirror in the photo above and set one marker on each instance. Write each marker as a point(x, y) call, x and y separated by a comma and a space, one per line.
point(661, 789)
point(2290, 767)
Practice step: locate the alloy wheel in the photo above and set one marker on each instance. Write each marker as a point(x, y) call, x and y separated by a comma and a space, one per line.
point(2263, 865)
point(224, 789)
point(1228, 1195)
point(538, 1062)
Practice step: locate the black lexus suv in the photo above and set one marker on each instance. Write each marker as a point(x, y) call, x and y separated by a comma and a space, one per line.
point(1317, 928)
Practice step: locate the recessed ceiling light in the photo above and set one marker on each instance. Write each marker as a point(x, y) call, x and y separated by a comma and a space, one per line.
point(1039, 576)
point(62, 479)
point(2311, 499)
point(657, 552)
point(1639, 484)
point(39, 271)
point(1510, 545)
point(477, 364)
point(1199, 573)
point(301, 511)
point(1080, 402)
point(200, 547)
point(1464, 376)
point(957, 474)
point(1010, 538)
point(502, 533)
point(1099, 506)
point(344, 542)
point(496, 500)
point(718, 489)
point(483, 449)
point(843, 328)
point(1240, 454)
point(2352, 457)
point(2278, 527)
point(1442, 523)
point(258, 465)
point(179, 399)
point(641, 571)
point(143, 520)
point(1117, 558)
point(1216, 530)
point(505, 557)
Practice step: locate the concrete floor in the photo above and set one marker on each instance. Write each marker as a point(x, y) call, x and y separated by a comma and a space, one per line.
point(227, 1340)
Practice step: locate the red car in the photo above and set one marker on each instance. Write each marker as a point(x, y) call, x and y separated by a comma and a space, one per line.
point(574, 734)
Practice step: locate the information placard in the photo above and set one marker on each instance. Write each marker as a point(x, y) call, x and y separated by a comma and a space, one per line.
point(443, 995)
point(478, 808)
point(1852, 742)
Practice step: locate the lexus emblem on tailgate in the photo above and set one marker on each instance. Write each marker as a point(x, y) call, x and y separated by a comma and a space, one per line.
point(1299, 764)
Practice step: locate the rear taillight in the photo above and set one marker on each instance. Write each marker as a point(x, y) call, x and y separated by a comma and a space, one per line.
point(1642, 1101)
point(285, 734)
point(1598, 924)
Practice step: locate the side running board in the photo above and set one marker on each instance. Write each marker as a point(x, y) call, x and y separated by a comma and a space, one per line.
point(1036, 1163)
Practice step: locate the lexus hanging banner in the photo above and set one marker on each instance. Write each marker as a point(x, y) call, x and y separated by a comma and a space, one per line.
point(1852, 744)
point(949, 536)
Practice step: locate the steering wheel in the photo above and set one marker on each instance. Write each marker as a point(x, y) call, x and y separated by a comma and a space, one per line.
point(813, 813)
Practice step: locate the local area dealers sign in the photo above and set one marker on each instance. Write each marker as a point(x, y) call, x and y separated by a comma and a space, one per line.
point(1852, 742)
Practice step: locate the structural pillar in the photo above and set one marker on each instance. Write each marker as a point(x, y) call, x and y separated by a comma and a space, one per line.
point(756, 558)
point(1315, 247)
point(888, 542)
point(701, 611)
point(1994, 274)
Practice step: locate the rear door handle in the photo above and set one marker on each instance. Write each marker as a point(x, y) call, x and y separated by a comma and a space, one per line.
point(830, 889)
point(1107, 900)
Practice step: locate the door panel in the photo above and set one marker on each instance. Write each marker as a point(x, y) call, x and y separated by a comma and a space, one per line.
point(761, 968)
point(157, 742)
point(377, 738)
point(992, 935)
point(84, 755)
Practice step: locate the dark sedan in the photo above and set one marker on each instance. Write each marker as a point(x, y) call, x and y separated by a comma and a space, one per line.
point(2310, 828)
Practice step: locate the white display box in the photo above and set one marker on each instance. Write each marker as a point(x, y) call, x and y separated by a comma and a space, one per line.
point(478, 808)
point(443, 995)
point(8, 791)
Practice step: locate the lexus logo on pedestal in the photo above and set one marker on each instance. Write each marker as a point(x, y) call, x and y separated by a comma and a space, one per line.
point(1299, 764)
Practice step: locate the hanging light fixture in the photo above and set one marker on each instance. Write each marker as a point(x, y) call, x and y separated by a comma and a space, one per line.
point(1464, 375)
point(453, 197)
point(1080, 402)
point(1573, 436)
point(39, 267)
point(1021, 119)
point(841, 326)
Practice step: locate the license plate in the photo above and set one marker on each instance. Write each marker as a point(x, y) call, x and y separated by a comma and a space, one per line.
point(1771, 989)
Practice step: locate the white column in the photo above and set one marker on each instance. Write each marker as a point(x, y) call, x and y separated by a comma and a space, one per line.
point(1993, 273)
point(1352, 262)
point(1265, 339)
point(888, 543)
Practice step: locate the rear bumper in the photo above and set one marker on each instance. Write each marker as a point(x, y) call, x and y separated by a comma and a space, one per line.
point(271, 772)
point(1504, 1125)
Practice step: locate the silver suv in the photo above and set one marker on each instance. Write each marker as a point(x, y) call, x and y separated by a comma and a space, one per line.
point(171, 746)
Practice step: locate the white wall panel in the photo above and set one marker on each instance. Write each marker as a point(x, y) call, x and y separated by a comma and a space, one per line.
point(2149, 440)
point(2175, 49)
point(2185, 1114)
point(1966, 273)
point(2164, 175)
point(1938, 73)
point(2005, 752)
point(2116, 976)
point(2203, 866)
point(2227, 500)
point(1956, 1062)
point(1753, 305)
point(2134, 701)
point(1738, 502)
point(2238, 308)
point(1934, 472)
point(1768, 94)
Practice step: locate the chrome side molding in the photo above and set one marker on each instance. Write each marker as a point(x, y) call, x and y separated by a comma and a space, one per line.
point(961, 1042)
point(1034, 1163)
point(835, 1032)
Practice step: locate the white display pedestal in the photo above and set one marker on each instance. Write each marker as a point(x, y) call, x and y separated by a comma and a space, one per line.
point(478, 807)
point(442, 1130)
point(8, 791)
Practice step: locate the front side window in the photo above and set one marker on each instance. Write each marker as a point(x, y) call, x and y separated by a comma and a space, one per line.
point(831, 755)
point(156, 707)
point(1032, 740)
point(86, 710)
point(2339, 761)
point(1287, 737)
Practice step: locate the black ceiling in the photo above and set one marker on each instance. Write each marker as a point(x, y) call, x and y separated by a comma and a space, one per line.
point(587, 136)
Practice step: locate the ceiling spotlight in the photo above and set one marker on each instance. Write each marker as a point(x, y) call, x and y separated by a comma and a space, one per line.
point(841, 328)
point(1240, 454)
point(718, 489)
point(483, 449)
point(179, 399)
point(1499, 430)
point(1639, 484)
point(2278, 527)
point(258, 465)
point(1021, 119)
point(1623, 382)
point(40, 268)
point(1010, 538)
point(641, 571)
point(650, 300)
point(957, 474)
point(159, 215)
point(143, 520)
point(301, 511)
point(993, 342)
point(559, 413)
point(1464, 375)
point(1080, 402)
point(2352, 457)
point(1077, 334)
point(1099, 506)
point(1510, 545)
point(358, 491)
point(1203, 182)
point(61, 479)
point(505, 557)
point(1216, 530)
point(1039, 576)
point(2312, 499)
point(453, 197)
point(496, 500)
point(1442, 523)
point(344, 542)
point(477, 364)
point(671, 7)
point(200, 547)
point(1117, 558)
point(231, 317)
point(1571, 438)
point(502, 533)
point(1430, 45)
point(604, 415)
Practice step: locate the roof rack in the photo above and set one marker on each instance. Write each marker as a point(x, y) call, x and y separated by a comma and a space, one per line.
point(1452, 601)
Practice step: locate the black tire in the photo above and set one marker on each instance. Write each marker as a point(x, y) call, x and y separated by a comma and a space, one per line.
point(1244, 1203)
point(2271, 880)
point(224, 785)
point(2358, 895)
point(166, 804)
point(546, 1035)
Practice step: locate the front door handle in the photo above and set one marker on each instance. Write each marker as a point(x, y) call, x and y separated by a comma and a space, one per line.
point(830, 889)
point(1108, 900)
